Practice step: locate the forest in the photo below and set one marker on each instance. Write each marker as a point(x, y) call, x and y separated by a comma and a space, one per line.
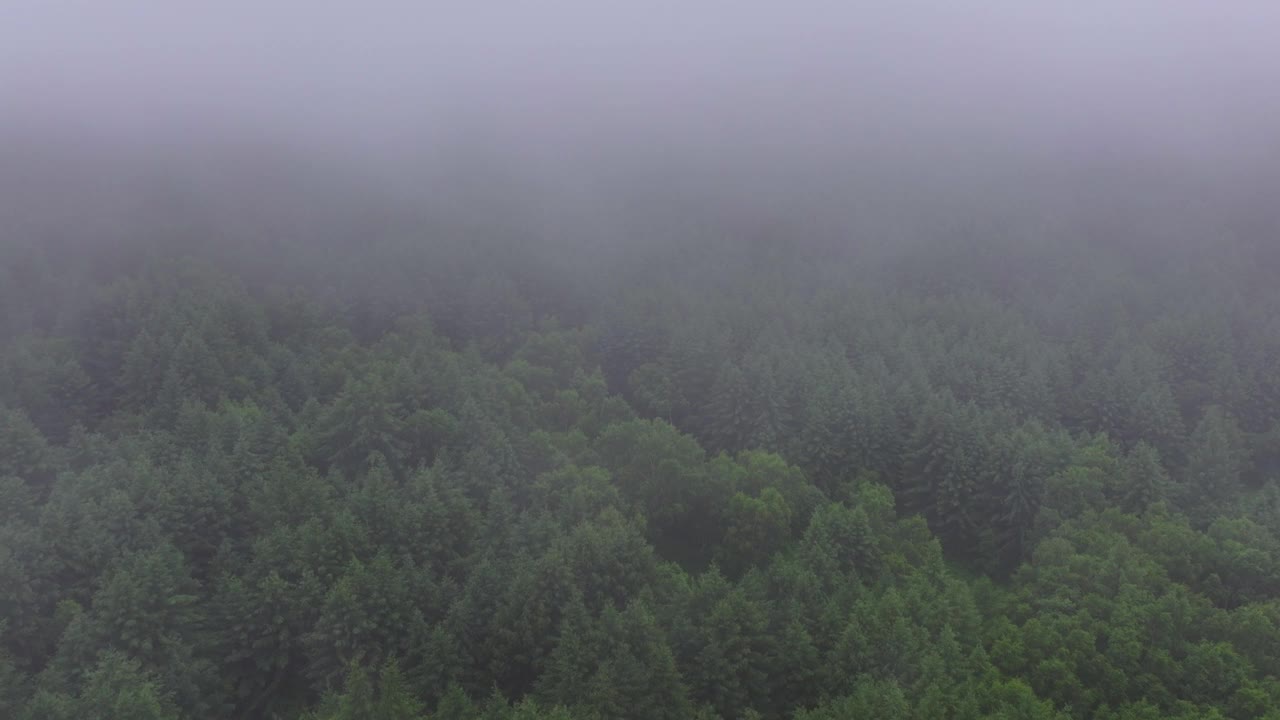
point(996, 474)
point(569, 360)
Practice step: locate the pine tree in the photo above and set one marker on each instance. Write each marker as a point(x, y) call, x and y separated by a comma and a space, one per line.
point(1146, 481)
point(1214, 464)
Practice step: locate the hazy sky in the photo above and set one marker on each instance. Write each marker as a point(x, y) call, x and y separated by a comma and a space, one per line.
point(598, 120)
point(1186, 72)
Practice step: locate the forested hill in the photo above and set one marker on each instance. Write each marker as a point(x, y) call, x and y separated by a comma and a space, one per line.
point(1013, 470)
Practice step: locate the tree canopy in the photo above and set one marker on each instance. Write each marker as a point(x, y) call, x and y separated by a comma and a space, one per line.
point(774, 490)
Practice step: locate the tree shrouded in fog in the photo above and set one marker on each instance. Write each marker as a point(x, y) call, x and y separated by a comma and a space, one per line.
point(578, 363)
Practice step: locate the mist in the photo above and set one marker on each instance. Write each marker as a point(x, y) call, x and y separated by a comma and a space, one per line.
point(778, 108)
point(650, 361)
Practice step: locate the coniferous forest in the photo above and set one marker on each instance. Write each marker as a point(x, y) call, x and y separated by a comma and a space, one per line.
point(616, 361)
point(991, 475)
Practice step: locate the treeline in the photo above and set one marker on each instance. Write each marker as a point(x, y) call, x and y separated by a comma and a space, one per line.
point(1004, 480)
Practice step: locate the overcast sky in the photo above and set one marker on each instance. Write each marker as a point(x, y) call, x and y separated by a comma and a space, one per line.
point(1186, 68)
point(695, 89)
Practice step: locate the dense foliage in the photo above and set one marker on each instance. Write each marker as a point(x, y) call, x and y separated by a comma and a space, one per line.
point(1033, 481)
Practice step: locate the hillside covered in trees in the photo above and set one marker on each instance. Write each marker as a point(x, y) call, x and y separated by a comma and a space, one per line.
point(1018, 471)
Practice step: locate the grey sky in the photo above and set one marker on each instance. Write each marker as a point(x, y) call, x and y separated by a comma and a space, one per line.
point(1187, 70)
point(790, 108)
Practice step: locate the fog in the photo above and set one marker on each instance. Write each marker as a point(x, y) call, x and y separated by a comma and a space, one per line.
point(580, 111)
point(651, 360)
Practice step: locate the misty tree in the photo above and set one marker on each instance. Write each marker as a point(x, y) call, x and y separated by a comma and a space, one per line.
point(829, 393)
